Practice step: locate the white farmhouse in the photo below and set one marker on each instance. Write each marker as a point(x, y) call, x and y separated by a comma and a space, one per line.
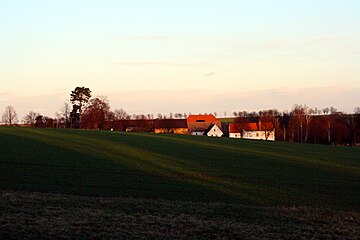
point(204, 125)
point(257, 131)
point(214, 131)
point(211, 131)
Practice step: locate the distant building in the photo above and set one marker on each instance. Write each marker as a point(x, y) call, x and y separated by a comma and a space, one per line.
point(177, 126)
point(137, 125)
point(204, 125)
point(252, 130)
point(214, 131)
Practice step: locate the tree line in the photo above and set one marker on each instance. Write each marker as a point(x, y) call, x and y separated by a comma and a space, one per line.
point(309, 125)
point(301, 124)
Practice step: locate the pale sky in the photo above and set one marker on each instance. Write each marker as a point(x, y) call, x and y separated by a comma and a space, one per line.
point(166, 56)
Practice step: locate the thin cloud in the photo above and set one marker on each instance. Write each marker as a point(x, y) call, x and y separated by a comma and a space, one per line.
point(146, 38)
point(304, 43)
point(60, 89)
point(3, 94)
point(166, 64)
point(209, 74)
point(327, 39)
point(205, 100)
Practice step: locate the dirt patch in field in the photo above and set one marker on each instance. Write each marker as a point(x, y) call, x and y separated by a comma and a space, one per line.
point(25, 215)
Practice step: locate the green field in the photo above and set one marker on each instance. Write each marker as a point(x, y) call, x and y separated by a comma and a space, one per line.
point(217, 177)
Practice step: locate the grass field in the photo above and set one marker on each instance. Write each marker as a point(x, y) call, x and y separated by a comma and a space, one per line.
point(228, 184)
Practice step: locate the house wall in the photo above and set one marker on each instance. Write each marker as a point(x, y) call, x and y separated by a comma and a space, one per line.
point(172, 130)
point(257, 135)
point(234, 135)
point(197, 133)
point(215, 132)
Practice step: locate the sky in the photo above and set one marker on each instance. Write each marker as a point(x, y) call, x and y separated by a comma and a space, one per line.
point(181, 56)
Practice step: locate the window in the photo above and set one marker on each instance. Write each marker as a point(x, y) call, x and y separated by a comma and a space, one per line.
point(200, 120)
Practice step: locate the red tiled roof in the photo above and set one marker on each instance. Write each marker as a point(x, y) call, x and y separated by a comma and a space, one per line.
point(201, 122)
point(252, 126)
point(238, 127)
point(202, 118)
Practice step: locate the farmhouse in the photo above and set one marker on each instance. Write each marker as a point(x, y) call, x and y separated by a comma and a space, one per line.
point(252, 130)
point(214, 131)
point(204, 125)
point(177, 126)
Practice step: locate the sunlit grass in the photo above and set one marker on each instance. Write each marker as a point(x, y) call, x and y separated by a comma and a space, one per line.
point(179, 167)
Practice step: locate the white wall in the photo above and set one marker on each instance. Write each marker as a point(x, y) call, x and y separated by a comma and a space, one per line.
point(215, 132)
point(257, 135)
point(197, 133)
point(234, 135)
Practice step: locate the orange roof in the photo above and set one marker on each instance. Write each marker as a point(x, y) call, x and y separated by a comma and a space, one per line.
point(252, 126)
point(239, 127)
point(201, 122)
point(202, 118)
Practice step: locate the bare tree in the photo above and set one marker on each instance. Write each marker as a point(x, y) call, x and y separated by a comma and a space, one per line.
point(65, 112)
point(326, 111)
point(328, 128)
point(63, 118)
point(298, 115)
point(266, 117)
point(96, 113)
point(9, 117)
point(30, 118)
point(120, 114)
point(308, 112)
point(357, 110)
point(356, 124)
point(333, 110)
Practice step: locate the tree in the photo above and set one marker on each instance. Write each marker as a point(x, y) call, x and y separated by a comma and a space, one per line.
point(269, 116)
point(357, 110)
point(9, 117)
point(75, 117)
point(40, 121)
point(79, 97)
point(64, 115)
point(120, 114)
point(298, 119)
point(62, 121)
point(356, 120)
point(329, 128)
point(308, 117)
point(96, 114)
point(30, 118)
